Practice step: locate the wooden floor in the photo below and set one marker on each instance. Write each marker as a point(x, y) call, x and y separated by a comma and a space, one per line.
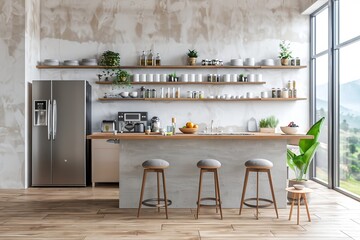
point(92, 213)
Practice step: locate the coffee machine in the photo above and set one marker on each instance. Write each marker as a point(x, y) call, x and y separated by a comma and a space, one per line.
point(132, 122)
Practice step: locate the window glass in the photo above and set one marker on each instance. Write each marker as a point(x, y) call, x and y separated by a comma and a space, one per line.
point(321, 79)
point(349, 117)
point(349, 19)
point(322, 32)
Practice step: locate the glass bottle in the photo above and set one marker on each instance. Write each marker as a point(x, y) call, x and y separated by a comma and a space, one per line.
point(150, 58)
point(294, 93)
point(158, 60)
point(173, 124)
point(143, 59)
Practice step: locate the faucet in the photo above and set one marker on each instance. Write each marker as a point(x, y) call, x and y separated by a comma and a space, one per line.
point(211, 126)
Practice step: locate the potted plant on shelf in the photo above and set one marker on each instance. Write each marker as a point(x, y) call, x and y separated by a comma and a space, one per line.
point(173, 77)
point(300, 163)
point(110, 58)
point(192, 54)
point(122, 78)
point(285, 53)
point(268, 125)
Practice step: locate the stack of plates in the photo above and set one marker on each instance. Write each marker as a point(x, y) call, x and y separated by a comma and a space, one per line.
point(51, 62)
point(89, 62)
point(268, 62)
point(236, 62)
point(71, 62)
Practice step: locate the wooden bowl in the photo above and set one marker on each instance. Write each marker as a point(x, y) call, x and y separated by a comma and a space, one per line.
point(188, 130)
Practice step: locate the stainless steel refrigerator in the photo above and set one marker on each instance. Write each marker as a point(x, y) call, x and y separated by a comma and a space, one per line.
point(60, 122)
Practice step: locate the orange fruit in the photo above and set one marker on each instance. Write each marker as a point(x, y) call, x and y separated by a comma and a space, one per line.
point(189, 125)
point(195, 126)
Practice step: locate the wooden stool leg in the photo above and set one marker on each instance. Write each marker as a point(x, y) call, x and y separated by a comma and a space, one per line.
point(218, 192)
point(307, 207)
point(272, 192)
point(199, 195)
point(298, 209)
point(142, 191)
point(257, 195)
point(292, 205)
point(165, 198)
point(158, 188)
point(244, 190)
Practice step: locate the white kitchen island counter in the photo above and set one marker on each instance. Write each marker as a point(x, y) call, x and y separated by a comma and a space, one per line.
point(182, 176)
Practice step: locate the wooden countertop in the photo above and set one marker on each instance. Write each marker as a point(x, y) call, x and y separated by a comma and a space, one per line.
point(180, 136)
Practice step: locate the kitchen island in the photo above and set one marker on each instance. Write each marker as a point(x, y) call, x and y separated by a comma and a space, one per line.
point(183, 151)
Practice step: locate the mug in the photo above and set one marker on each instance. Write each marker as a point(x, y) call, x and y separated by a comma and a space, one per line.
point(249, 95)
point(136, 77)
point(251, 77)
point(264, 95)
point(163, 77)
point(150, 77)
point(258, 77)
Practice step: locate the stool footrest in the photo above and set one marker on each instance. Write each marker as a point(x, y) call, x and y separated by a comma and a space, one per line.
point(270, 202)
point(153, 202)
point(208, 205)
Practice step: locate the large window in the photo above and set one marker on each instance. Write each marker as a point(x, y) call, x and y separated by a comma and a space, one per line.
point(320, 59)
point(336, 93)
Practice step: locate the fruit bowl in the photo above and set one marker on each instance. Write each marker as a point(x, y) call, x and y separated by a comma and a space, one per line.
point(289, 130)
point(188, 130)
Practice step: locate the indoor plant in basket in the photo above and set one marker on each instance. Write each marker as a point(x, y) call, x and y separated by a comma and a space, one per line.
point(285, 53)
point(268, 125)
point(122, 78)
point(307, 148)
point(192, 54)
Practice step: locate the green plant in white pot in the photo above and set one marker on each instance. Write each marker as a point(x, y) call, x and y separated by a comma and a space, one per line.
point(268, 125)
point(300, 163)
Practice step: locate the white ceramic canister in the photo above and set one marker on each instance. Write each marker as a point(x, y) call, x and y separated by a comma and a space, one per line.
point(185, 77)
point(150, 77)
point(143, 77)
point(258, 77)
point(163, 77)
point(136, 77)
point(251, 77)
point(199, 77)
point(157, 77)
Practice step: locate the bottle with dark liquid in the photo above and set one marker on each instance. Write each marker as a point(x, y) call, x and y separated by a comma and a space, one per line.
point(143, 59)
point(150, 59)
point(158, 60)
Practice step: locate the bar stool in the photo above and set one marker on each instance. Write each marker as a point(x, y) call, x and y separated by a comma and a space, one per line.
point(158, 166)
point(209, 165)
point(258, 165)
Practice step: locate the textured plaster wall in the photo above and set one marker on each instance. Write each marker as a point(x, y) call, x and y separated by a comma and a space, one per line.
point(217, 29)
point(12, 93)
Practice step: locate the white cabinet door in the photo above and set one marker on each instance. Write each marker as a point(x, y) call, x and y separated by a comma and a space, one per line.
point(105, 161)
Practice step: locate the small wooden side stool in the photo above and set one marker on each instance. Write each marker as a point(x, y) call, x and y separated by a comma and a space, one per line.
point(209, 165)
point(157, 166)
point(297, 194)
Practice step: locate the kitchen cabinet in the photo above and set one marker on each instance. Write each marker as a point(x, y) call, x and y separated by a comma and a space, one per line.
point(104, 162)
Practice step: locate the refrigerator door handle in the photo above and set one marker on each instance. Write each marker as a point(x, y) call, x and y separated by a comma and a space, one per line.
point(54, 118)
point(49, 120)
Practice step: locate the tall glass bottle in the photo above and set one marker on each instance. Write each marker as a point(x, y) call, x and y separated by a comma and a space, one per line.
point(158, 60)
point(150, 59)
point(143, 59)
point(173, 123)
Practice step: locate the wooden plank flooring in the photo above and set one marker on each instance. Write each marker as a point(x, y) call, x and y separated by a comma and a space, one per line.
point(93, 213)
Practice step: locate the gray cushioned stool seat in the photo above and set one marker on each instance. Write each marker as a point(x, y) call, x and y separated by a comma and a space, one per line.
point(258, 163)
point(155, 163)
point(208, 163)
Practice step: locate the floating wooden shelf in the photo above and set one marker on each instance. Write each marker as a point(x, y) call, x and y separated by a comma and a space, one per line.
point(184, 83)
point(169, 67)
point(202, 99)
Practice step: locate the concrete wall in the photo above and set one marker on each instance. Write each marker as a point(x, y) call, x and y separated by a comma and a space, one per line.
point(82, 28)
point(217, 29)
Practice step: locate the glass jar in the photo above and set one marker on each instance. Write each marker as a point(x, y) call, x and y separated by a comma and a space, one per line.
point(189, 94)
point(153, 93)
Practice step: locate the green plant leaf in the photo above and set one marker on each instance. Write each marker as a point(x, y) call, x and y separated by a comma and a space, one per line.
point(315, 130)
